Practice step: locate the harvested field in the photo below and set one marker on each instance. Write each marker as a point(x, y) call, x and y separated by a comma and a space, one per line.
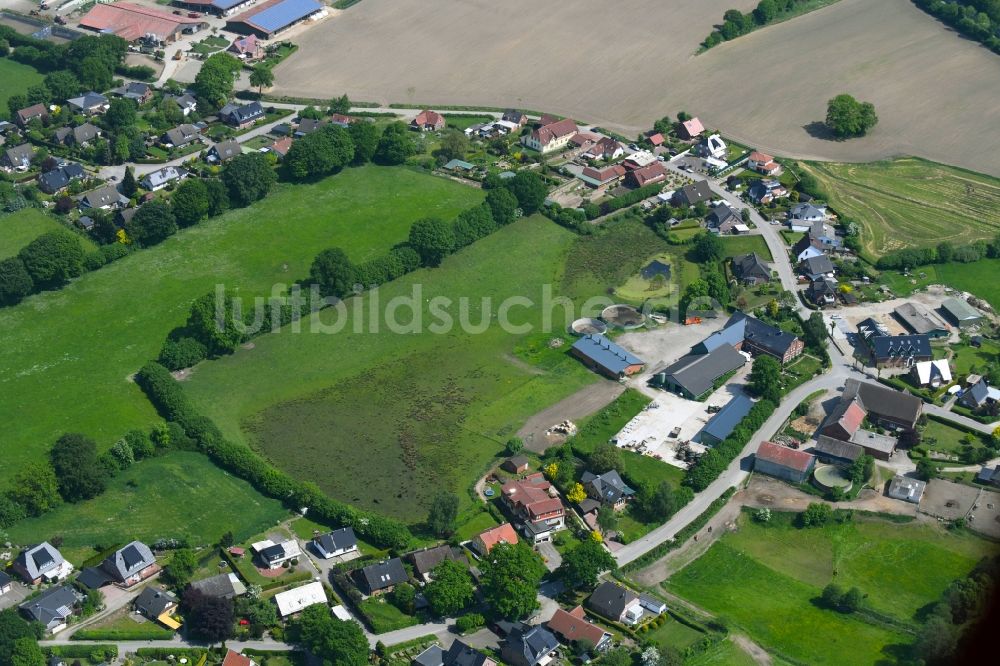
point(888, 52)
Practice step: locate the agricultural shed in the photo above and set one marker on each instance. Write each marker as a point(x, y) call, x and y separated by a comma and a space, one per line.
point(273, 16)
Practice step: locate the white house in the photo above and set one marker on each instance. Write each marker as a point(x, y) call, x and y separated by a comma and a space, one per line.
point(713, 146)
point(336, 543)
point(273, 555)
point(554, 136)
point(298, 599)
point(802, 216)
point(932, 373)
point(157, 180)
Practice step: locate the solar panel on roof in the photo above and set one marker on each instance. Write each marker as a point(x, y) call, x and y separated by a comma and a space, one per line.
point(283, 14)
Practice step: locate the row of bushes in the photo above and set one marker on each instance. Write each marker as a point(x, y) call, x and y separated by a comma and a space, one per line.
point(169, 399)
point(715, 461)
point(107, 652)
point(151, 633)
point(976, 19)
point(736, 23)
point(944, 253)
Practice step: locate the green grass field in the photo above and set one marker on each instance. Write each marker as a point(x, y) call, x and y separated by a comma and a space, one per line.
point(901, 568)
point(911, 202)
point(68, 355)
point(674, 634)
point(179, 494)
point(734, 245)
point(17, 78)
point(463, 121)
point(384, 616)
point(723, 653)
point(978, 277)
point(20, 228)
point(384, 420)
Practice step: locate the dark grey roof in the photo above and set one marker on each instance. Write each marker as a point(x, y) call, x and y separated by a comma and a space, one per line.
point(818, 265)
point(432, 656)
point(216, 586)
point(887, 347)
point(182, 134)
point(425, 560)
point(102, 196)
point(244, 113)
point(273, 553)
point(342, 539)
point(93, 577)
point(129, 560)
point(5, 579)
point(51, 606)
point(460, 654)
point(722, 214)
point(884, 401)
point(610, 600)
point(726, 419)
point(88, 100)
point(151, 602)
point(20, 155)
point(916, 319)
point(751, 266)
point(762, 334)
point(830, 446)
point(696, 373)
point(384, 574)
point(526, 644)
point(692, 193)
point(610, 486)
point(228, 149)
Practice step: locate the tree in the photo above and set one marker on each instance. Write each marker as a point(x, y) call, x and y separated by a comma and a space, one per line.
point(181, 568)
point(816, 514)
point(35, 488)
point(403, 597)
point(214, 81)
point(472, 224)
point(209, 619)
point(95, 73)
point(529, 189)
point(926, 469)
point(153, 223)
point(337, 642)
point(333, 271)
point(189, 202)
point(583, 564)
point(12, 629)
point(510, 578)
point(365, 137)
point(120, 114)
point(262, 77)
point(433, 239)
point(395, 145)
point(204, 325)
point(707, 248)
point(503, 206)
point(129, 184)
point(62, 84)
point(765, 378)
point(249, 178)
point(861, 469)
point(604, 458)
point(341, 105)
point(76, 465)
point(620, 656)
point(260, 613)
point(450, 589)
point(27, 652)
point(847, 117)
point(576, 494)
point(663, 501)
point(53, 258)
point(852, 601)
point(15, 282)
point(607, 519)
point(442, 514)
point(320, 153)
point(832, 596)
point(218, 196)
point(765, 12)
point(514, 446)
point(454, 145)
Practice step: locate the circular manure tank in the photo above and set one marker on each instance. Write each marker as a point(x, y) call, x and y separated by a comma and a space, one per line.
point(588, 326)
point(828, 477)
point(623, 316)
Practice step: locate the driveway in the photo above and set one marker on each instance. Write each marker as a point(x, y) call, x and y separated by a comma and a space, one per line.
point(16, 595)
point(551, 556)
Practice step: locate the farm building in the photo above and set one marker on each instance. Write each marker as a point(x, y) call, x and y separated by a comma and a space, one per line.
point(845, 420)
point(961, 313)
point(215, 7)
point(990, 475)
point(694, 375)
point(6, 583)
point(874, 444)
point(133, 22)
point(274, 16)
point(831, 450)
point(906, 489)
point(602, 355)
point(783, 463)
point(299, 598)
point(919, 321)
point(516, 464)
point(749, 334)
point(725, 420)
point(881, 405)
point(899, 350)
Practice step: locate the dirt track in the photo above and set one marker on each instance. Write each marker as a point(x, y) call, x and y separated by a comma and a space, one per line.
point(581, 404)
point(625, 64)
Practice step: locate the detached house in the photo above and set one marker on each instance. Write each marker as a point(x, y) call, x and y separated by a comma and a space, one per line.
point(572, 626)
point(535, 502)
point(550, 137)
point(157, 605)
point(130, 565)
point(817, 267)
point(723, 219)
point(616, 603)
point(527, 645)
point(605, 149)
point(424, 561)
point(383, 577)
point(18, 158)
point(690, 129)
point(765, 191)
point(157, 180)
point(248, 48)
point(181, 135)
point(138, 92)
point(602, 177)
point(273, 555)
point(226, 586)
point(484, 542)
point(750, 269)
point(299, 598)
point(428, 121)
point(81, 135)
point(186, 102)
point(336, 543)
point(225, 151)
point(802, 216)
point(6, 583)
point(41, 563)
point(241, 116)
point(33, 112)
point(53, 181)
point(822, 291)
point(693, 193)
point(608, 488)
point(90, 103)
point(459, 654)
point(516, 117)
point(763, 163)
point(52, 608)
point(650, 174)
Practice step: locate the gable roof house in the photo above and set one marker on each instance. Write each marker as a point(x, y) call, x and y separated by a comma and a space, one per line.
point(572, 626)
point(308, 126)
point(885, 406)
point(918, 320)
point(52, 608)
point(615, 603)
point(802, 216)
point(783, 462)
point(186, 102)
point(17, 158)
point(281, 146)
point(137, 91)
point(382, 577)
point(606, 148)
point(764, 191)
point(81, 135)
point(822, 291)
point(157, 180)
point(130, 565)
point(989, 475)
point(29, 113)
point(299, 598)
point(484, 542)
point(428, 121)
point(608, 488)
point(932, 373)
point(750, 269)
point(527, 645)
point(689, 129)
point(805, 248)
point(224, 151)
point(601, 177)
point(335, 543)
point(181, 135)
point(817, 267)
point(602, 355)
point(153, 604)
point(226, 586)
point(536, 504)
point(749, 334)
point(845, 420)
point(652, 173)
point(234, 658)
point(247, 48)
point(763, 163)
point(551, 136)
point(979, 395)
point(722, 219)
point(241, 116)
point(459, 654)
point(90, 103)
point(53, 181)
point(273, 555)
point(692, 193)
point(899, 350)
point(514, 116)
point(41, 562)
point(426, 559)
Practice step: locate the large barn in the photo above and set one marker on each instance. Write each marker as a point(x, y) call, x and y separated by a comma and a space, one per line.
point(132, 22)
point(274, 16)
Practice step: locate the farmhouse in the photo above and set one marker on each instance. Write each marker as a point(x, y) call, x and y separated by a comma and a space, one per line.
point(763, 163)
point(241, 116)
point(157, 180)
point(225, 586)
point(601, 177)
point(424, 561)
point(216, 7)
point(874, 444)
point(527, 645)
point(33, 112)
point(51, 182)
point(692, 193)
point(919, 321)
point(535, 502)
point(722, 219)
point(961, 313)
point(551, 136)
point(885, 406)
point(247, 48)
point(157, 605)
point(132, 22)
point(602, 355)
point(647, 175)
point(831, 450)
point(459, 654)
point(41, 563)
point(899, 350)
point(273, 555)
point(273, 16)
point(428, 121)
point(224, 151)
point(608, 488)
point(845, 420)
point(18, 158)
point(725, 420)
point(906, 489)
point(690, 129)
point(693, 376)
point(484, 542)
point(336, 543)
point(749, 334)
point(382, 577)
point(783, 462)
point(299, 598)
point(89, 103)
point(572, 626)
point(932, 373)
point(616, 603)
point(52, 608)
point(750, 269)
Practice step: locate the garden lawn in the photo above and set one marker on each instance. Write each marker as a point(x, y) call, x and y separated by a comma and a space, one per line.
point(778, 611)
point(179, 494)
point(20, 228)
point(384, 616)
point(385, 420)
point(673, 634)
point(723, 653)
point(463, 121)
point(17, 78)
point(967, 357)
point(736, 245)
point(68, 355)
point(121, 627)
point(945, 438)
point(911, 202)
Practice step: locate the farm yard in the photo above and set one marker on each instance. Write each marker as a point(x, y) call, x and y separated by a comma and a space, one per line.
point(620, 84)
point(911, 202)
point(901, 567)
point(181, 494)
point(54, 381)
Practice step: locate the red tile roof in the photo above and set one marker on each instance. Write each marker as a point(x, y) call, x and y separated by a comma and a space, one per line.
point(605, 174)
point(501, 534)
point(853, 417)
point(282, 145)
point(760, 157)
point(693, 127)
point(548, 133)
point(130, 22)
point(784, 456)
point(429, 117)
point(583, 138)
point(573, 626)
point(656, 139)
point(236, 659)
point(651, 173)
